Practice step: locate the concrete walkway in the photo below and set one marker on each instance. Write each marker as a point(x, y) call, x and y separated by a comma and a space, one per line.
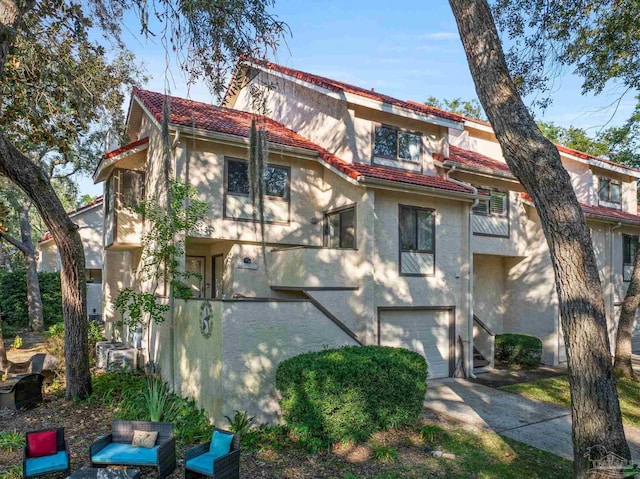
point(536, 423)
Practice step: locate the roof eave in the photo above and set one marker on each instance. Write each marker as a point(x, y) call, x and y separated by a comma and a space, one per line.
point(610, 219)
point(480, 171)
point(242, 141)
point(418, 189)
point(100, 173)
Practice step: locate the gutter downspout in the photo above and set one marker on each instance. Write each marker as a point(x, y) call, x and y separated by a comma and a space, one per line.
point(469, 294)
point(612, 303)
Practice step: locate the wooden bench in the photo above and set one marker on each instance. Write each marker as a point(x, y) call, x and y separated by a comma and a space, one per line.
point(27, 391)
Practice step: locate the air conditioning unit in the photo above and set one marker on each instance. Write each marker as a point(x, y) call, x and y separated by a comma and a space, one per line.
point(122, 359)
point(102, 350)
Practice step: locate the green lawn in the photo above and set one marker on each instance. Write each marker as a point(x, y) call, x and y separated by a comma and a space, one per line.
point(556, 391)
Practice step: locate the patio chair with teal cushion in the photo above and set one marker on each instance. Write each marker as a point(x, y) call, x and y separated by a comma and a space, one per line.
point(217, 459)
point(45, 452)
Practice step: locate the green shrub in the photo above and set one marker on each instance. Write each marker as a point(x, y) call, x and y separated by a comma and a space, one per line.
point(518, 350)
point(125, 393)
point(13, 298)
point(349, 393)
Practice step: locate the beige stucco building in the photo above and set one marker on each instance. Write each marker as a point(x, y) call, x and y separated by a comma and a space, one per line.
point(90, 220)
point(388, 222)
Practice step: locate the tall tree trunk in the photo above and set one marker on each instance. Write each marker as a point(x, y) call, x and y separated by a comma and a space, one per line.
point(535, 161)
point(34, 298)
point(23, 172)
point(622, 364)
point(4, 362)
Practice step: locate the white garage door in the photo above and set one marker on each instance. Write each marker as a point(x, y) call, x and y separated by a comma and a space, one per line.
point(424, 331)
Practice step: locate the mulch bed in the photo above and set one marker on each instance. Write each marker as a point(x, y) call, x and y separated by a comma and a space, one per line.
point(84, 423)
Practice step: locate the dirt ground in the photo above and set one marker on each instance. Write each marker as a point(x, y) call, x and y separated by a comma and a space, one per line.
point(503, 377)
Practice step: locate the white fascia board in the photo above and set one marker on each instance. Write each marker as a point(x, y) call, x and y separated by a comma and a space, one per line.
point(417, 189)
point(602, 165)
point(106, 164)
point(404, 112)
point(479, 126)
point(480, 171)
point(609, 220)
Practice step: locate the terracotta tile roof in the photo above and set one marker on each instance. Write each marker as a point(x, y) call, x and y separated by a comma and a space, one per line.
point(126, 148)
point(340, 87)
point(610, 213)
point(586, 156)
point(47, 236)
point(234, 122)
point(474, 159)
point(601, 211)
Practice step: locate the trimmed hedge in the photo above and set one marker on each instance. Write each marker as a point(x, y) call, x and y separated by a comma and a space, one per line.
point(13, 298)
point(347, 394)
point(519, 350)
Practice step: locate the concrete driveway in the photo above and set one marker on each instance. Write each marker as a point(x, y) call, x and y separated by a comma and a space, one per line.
point(536, 423)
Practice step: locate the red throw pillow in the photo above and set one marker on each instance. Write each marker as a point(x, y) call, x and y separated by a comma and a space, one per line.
point(42, 443)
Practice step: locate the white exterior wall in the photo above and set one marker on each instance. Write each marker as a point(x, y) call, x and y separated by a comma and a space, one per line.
point(531, 299)
point(448, 287)
point(90, 229)
point(489, 290)
point(343, 129)
point(234, 368)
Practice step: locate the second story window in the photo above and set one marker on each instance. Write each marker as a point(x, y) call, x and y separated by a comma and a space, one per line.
point(276, 179)
point(340, 228)
point(491, 215)
point(494, 203)
point(609, 191)
point(131, 188)
point(237, 192)
point(629, 251)
point(394, 144)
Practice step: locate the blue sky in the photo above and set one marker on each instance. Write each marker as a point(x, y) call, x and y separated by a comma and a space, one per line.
point(409, 50)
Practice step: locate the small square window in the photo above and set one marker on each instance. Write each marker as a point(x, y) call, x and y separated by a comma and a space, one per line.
point(340, 229)
point(609, 190)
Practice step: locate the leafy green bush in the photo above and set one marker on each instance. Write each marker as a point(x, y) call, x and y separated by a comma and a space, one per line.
point(349, 393)
point(518, 350)
point(13, 298)
point(125, 393)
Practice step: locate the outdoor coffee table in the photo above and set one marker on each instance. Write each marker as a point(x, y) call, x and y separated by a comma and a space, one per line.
point(104, 473)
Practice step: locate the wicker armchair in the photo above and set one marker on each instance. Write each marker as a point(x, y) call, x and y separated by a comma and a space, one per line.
point(115, 448)
point(38, 466)
point(223, 467)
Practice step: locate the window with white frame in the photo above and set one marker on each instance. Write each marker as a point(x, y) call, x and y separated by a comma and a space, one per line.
point(609, 192)
point(395, 144)
point(629, 251)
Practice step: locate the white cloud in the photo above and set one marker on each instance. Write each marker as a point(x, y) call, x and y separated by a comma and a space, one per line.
point(441, 36)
